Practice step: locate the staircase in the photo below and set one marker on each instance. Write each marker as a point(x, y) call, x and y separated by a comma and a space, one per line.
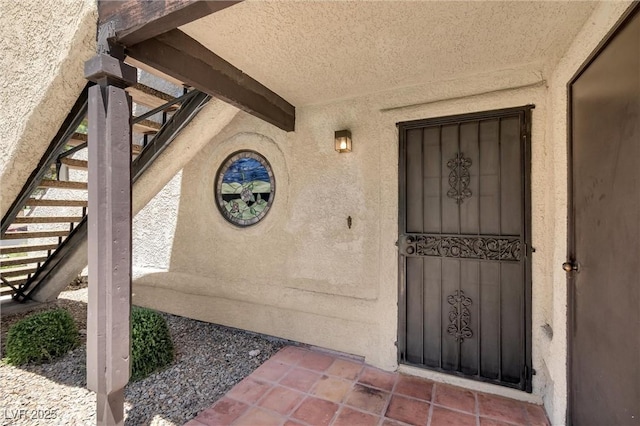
point(48, 219)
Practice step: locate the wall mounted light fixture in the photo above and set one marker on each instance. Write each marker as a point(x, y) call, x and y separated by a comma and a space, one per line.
point(343, 141)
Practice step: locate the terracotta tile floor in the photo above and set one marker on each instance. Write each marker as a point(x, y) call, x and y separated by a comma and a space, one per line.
point(304, 387)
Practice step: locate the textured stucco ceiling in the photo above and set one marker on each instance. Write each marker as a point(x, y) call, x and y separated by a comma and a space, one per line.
point(316, 51)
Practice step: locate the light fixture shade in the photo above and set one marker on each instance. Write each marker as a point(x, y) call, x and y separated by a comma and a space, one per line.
point(343, 141)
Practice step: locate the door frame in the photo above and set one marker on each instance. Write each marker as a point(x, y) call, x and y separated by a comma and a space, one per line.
point(525, 113)
point(571, 230)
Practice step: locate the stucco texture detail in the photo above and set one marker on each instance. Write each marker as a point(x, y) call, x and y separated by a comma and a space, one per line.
point(154, 227)
point(44, 46)
point(349, 48)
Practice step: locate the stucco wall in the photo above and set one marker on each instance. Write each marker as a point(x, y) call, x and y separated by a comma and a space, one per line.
point(301, 273)
point(154, 228)
point(44, 45)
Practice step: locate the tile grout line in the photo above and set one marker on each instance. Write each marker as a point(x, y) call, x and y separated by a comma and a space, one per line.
point(477, 407)
point(390, 396)
point(361, 410)
point(305, 394)
point(433, 395)
point(343, 402)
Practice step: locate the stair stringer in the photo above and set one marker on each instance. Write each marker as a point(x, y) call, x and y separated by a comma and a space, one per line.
point(210, 121)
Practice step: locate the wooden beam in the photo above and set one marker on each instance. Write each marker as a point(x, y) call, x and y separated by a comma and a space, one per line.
point(180, 56)
point(135, 21)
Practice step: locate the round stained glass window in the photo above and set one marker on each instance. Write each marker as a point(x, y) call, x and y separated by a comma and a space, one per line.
point(245, 187)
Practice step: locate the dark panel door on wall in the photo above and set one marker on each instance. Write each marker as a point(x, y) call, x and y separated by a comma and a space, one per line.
point(464, 270)
point(604, 234)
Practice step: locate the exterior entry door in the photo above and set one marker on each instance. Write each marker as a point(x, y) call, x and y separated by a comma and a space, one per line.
point(604, 234)
point(465, 291)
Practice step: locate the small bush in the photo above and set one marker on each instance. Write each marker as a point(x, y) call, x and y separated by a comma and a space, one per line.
point(151, 346)
point(41, 337)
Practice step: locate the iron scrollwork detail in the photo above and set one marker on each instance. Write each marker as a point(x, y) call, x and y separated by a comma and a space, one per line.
point(465, 247)
point(459, 178)
point(459, 316)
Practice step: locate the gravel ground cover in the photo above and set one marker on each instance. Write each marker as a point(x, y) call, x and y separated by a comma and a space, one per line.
point(210, 360)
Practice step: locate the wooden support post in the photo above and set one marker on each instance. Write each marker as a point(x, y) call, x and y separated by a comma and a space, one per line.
point(109, 233)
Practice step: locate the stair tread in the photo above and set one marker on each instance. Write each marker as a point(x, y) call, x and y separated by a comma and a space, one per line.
point(34, 202)
point(16, 282)
point(22, 260)
point(77, 139)
point(17, 272)
point(146, 126)
point(72, 163)
point(27, 248)
point(47, 219)
point(148, 96)
point(61, 184)
point(19, 235)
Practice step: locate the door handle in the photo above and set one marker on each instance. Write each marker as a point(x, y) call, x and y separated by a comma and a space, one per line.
point(571, 266)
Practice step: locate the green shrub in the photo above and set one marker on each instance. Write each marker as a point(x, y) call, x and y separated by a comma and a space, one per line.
point(151, 346)
point(41, 337)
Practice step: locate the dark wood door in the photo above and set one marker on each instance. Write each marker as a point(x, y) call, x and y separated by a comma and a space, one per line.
point(604, 245)
point(464, 265)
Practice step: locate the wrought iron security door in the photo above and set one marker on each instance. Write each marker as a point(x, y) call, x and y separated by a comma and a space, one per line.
point(464, 228)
